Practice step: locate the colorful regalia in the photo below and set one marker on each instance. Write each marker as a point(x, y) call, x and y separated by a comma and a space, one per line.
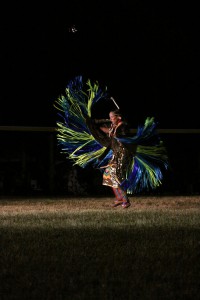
point(79, 143)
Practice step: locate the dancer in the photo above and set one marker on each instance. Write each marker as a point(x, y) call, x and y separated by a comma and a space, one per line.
point(129, 163)
point(115, 171)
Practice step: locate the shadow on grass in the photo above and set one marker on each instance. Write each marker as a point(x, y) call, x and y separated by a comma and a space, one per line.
point(133, 262)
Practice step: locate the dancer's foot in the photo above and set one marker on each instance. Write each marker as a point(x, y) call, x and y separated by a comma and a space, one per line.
point(117, 203)
point(126, 204)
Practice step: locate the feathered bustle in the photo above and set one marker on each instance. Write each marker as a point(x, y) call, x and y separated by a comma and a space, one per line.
point(79, 145)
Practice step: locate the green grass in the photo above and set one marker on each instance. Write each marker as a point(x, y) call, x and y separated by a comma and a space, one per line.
point(83, 249)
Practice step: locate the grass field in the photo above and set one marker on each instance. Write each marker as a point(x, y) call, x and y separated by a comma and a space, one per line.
point(82, 248)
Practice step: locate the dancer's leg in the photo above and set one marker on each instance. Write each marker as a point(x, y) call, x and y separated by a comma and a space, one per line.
point(117, 194)
point(122, 198)
point(118, 200)
point(122, 195)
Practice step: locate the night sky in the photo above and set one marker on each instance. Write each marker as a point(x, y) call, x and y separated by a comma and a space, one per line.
point(147, 56)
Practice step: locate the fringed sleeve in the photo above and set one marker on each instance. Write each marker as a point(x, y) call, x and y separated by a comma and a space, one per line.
point(149, 161)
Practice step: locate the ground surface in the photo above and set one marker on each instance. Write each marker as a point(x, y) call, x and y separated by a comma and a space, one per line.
point(36, 205)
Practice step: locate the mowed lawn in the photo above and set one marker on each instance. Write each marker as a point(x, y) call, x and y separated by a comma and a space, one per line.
point(82, 248)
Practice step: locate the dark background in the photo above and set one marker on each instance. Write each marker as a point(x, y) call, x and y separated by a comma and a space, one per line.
point(147, 55)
